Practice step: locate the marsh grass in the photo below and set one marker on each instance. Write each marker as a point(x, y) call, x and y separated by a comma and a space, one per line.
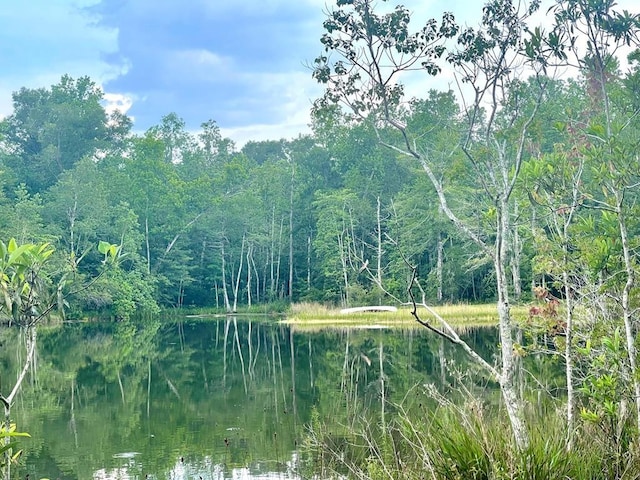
point(453, 443)
point(314, 316)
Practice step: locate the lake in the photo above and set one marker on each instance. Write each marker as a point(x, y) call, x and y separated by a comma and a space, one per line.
point(211, 398)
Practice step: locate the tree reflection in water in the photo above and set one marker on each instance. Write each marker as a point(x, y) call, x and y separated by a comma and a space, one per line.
point(210, 398)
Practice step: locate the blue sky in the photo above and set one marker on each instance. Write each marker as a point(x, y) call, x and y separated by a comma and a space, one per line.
point(242, 63)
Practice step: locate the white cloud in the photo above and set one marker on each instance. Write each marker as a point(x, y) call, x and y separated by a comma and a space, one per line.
point(289, 95)
point(117, 102)
point(46, 39)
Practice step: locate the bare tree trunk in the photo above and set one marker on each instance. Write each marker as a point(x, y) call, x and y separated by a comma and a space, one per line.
point(309, 263)
point(508, 388)
point(626, 303)
point(516, 251)
point(290, 289)
point(272, 280)
point(533, 234)
point(225, 291)
point(249, 248)
point(439, 267)
point(251, 263)
point(277, 285)
point(568, 355)
point(379, 246)
point(236, 287)
point(345, 272)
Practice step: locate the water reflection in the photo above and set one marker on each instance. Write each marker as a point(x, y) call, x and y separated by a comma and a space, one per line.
point(212, 399)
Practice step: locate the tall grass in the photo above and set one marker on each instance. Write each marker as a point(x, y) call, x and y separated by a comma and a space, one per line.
point(459, 443)
point(315, 315)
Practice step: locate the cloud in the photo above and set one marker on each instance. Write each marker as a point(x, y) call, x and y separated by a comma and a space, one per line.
point(43, 40)
point(117, 102)
point(239, 63)
point(242, 64)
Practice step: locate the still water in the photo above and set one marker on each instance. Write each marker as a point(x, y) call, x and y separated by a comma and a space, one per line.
point(213, 399)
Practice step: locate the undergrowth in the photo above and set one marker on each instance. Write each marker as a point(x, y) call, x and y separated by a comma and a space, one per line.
point(453, 442)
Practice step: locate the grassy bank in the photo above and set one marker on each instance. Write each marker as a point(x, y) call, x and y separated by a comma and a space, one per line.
point(312, 316)
point(463, 442)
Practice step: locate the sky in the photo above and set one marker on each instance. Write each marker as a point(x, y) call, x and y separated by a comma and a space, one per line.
point(243, 63)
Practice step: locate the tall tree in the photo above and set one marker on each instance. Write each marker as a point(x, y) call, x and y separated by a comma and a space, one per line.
point(375, 49)
point(594, 34)
point(50, 130)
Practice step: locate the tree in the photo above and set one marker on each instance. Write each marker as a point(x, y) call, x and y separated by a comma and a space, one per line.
point(50, 130)
point(554, 181)
point(376, 49)
point(593, 34)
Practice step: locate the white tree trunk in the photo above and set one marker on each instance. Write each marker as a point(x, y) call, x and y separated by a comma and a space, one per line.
point(516, 253)
point(236, 286)
point(508, 388)
point(225, 290)
point(440, 266)
point(290, 286)
point(379, 246)
point(626, 304)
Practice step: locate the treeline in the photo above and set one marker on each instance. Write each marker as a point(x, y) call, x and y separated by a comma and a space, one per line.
point(335, 216)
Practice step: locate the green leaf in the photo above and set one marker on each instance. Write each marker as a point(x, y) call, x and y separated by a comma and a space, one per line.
point(589, 415)
point(16, 252)
point(103, 247)
point(12, 245)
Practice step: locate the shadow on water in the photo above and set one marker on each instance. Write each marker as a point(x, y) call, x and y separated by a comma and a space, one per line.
point(218, 398)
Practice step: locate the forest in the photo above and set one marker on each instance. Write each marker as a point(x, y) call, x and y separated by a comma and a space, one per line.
point(201, 223)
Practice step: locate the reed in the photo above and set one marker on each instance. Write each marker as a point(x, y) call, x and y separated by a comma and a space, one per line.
point(453, 443)
point(313, 316)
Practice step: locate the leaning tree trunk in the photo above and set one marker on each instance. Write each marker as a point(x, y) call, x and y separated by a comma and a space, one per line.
point(30, 337)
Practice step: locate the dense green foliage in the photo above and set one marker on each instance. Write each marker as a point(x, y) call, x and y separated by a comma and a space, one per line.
point(202, 223)
point(325, 217)
point(333, 216)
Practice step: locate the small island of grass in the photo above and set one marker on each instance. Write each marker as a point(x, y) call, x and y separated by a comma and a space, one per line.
point(314, 316)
